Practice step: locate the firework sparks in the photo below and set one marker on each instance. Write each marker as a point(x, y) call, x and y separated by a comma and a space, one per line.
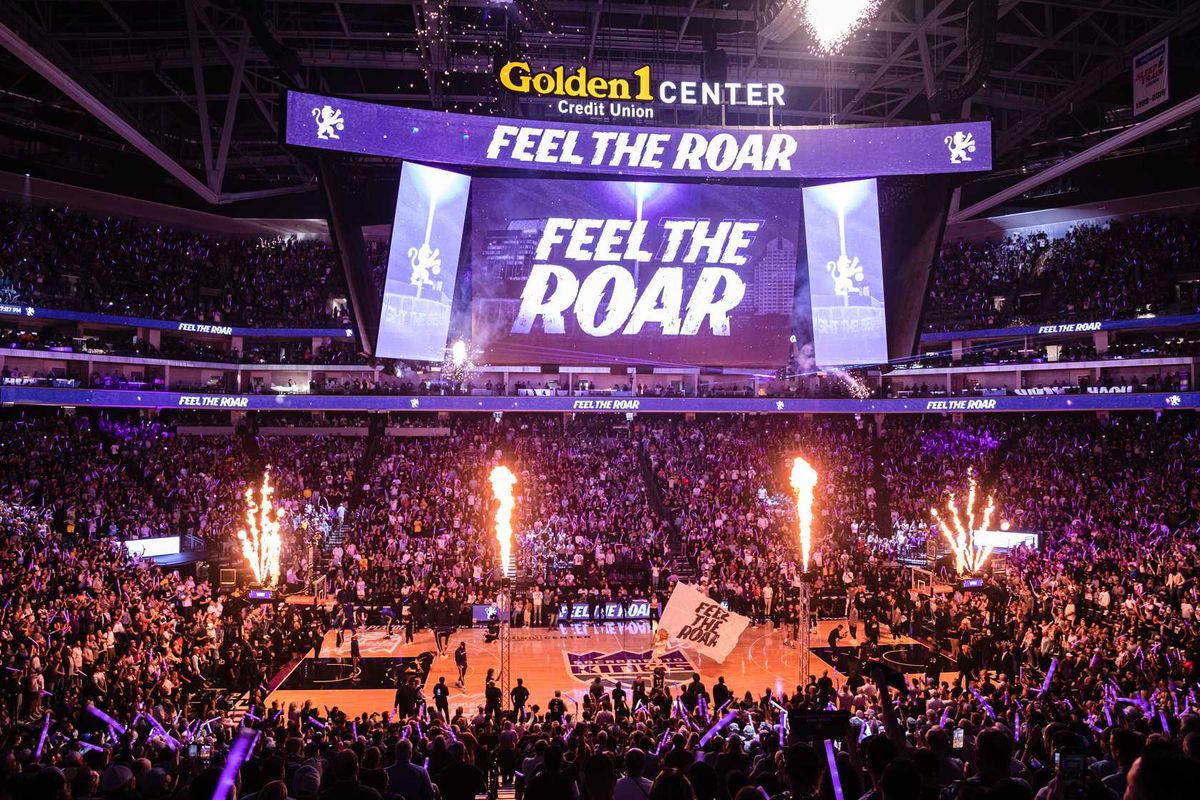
point(503, 482)
point(261, 541)
point(458, 365)
point(960, 533)
point(804, 481)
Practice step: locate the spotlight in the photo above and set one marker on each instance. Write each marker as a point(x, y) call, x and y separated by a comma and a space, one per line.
point(833, 22)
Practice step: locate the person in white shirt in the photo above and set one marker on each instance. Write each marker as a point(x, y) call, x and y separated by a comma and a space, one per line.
point(537, 597)
point(631, 785)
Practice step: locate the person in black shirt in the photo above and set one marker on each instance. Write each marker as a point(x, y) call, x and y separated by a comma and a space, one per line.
point(460, 661)
point(458, 779)
point(835, 636)
point(406, 699)
point(556, 708)
point(639, 693)
point(520, 696)
point(492, 697)
point(551, 782)
point(441, 697)
point(618, 701)
point(720, 692)
point(355, 656)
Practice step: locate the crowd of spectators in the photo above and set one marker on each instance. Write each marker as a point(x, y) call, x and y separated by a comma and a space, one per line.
point(1117, 269)
point(1086, 647)
point(63, 258)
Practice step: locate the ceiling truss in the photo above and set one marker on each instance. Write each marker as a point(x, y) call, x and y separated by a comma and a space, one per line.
point(194, 84)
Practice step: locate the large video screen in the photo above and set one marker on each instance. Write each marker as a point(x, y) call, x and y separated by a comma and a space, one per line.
point(624, 272)
point(845, 273)
point(427, 235)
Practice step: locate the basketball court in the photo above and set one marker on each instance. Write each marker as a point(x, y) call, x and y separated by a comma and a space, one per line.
point(566, 658)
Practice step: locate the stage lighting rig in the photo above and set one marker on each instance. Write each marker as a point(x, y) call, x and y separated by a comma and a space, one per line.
point(830, 23)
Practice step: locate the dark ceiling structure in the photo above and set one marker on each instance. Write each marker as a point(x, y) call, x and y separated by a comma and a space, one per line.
point(179, 100)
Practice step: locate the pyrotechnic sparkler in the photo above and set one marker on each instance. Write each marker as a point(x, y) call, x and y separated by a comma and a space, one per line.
point(458, 365)
point(503, 481)
point(960, 533)
point(804, 481)
point(262, 542)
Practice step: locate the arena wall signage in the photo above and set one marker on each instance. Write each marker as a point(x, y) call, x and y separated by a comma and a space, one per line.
point(204, 328)
point(118, 398)
point(583, 92)
point(1060, 328)
point(632, 610)
point(760, 153)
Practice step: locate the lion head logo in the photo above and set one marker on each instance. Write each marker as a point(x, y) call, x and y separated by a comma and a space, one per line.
point(960, 144)
point(329, 120)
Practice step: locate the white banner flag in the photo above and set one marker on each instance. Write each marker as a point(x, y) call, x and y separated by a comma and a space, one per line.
point(694, 620)
point(1151, 79)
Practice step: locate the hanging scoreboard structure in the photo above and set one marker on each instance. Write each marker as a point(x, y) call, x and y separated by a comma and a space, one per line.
point(563, 243)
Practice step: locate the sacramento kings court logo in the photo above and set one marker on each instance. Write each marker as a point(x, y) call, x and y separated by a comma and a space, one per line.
point(625, 666)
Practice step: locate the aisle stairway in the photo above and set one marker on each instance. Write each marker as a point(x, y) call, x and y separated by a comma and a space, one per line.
point(376, 430)
point(883, 497)
point(683, 564)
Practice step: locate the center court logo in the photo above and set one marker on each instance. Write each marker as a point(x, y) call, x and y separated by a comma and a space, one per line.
point(625, 666)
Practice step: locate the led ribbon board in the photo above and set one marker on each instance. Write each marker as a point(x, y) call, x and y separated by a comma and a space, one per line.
point(750, 153)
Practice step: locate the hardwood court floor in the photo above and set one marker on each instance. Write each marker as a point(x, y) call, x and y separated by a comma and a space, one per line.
point(565, 658)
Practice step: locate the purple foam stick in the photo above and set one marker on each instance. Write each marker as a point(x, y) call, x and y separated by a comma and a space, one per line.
point(833, 770)
point(1017, 726)
point(87, 746)
point(354, 728)
point(1049, 677)
point(42, 738)
point(986, 706)
point(663, 741)
point(782, 736)
point(317, 722)
point(945, 716)
point(238, 753)
point(160, 730)
point(729, 717)
point(107, 720)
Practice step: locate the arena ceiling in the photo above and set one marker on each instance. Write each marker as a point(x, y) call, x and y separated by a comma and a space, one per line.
point(179, 99)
